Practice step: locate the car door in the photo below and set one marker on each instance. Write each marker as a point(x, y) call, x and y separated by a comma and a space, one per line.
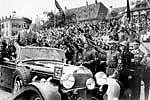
point(6, 74)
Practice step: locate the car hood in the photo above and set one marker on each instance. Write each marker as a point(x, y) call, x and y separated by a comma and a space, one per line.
point(51, 66)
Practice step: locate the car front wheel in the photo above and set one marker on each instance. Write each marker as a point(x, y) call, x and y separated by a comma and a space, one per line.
point(21, 77)
point(35, 97)
point(18, 83)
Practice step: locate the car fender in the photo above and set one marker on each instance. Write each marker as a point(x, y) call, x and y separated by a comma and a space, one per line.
point(46, 90)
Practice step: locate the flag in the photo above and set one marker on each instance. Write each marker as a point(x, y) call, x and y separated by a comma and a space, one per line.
point(58, 6)
point(60, 10)
point(128, 10)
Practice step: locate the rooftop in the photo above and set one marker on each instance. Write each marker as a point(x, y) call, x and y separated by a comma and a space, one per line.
point(115, 12)
point(25, 19)
point(92, 11)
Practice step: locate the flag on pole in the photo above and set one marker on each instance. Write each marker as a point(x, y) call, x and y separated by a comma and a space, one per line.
point(58, 6)
point(128, 10)
point(60, 10)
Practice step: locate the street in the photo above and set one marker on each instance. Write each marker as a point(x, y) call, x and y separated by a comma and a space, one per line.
point(7, 96)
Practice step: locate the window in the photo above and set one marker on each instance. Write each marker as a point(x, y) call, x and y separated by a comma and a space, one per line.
point(14, 33)
point(19, 26)
point(2, 25)
point(16, 25)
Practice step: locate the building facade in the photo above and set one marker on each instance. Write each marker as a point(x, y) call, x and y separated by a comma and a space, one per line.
point(140, 16)
point(11, 26)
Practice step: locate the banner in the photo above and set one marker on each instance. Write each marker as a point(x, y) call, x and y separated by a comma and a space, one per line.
point(60, 10)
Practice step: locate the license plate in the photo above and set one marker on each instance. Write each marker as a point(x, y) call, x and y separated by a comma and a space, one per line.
point(58, 72)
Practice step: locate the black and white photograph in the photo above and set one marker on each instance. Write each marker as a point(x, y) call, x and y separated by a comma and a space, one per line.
point(74, 49)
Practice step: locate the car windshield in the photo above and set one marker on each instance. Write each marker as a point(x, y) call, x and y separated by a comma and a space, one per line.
point(40, 53)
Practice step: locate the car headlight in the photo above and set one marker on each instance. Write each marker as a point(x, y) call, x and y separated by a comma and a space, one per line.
point(101, 78)
point(68, 81)
point(90, 84)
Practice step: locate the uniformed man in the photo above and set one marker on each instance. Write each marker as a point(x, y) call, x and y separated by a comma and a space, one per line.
point(137, 63)
point(90, 57)
point(121, 59)
point(124, 62)
point(146, 78)
point(112, 58)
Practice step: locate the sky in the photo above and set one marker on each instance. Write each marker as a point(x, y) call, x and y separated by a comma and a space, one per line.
point(32, 8)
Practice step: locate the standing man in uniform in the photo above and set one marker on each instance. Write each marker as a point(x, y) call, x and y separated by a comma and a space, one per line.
point(112, 58)
point(122, 71)
point(112, 55)
point(90, 58)
point(139, 58)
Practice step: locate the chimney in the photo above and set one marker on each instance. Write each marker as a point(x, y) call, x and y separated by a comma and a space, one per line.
point(111, 7)
point(95, 1)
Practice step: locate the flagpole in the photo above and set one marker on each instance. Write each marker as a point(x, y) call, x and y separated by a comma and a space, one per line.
point(128, 11)
point(55, 15)
point(55, 18)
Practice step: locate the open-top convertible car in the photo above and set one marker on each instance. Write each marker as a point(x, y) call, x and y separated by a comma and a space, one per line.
point(34, 65)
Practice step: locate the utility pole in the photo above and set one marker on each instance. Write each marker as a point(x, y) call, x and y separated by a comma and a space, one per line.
point(88, 11)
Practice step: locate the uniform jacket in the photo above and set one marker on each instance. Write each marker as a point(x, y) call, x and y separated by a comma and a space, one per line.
point(138, 56)
point(90, 59)
point(112, 59)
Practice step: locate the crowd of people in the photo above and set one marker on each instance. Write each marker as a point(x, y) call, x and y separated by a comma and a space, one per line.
point(102, 31)
point(104, 46)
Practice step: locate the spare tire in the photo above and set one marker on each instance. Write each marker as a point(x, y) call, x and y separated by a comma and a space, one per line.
point(21, 77)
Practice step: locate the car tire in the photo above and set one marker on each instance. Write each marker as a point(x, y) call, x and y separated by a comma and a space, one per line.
point(20, 78)
point(35, 97)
